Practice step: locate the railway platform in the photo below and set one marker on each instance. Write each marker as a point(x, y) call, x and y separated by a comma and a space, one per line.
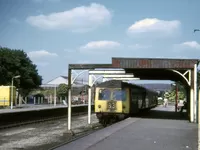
point(13, 117)
point(158, 131)
point(32, 107)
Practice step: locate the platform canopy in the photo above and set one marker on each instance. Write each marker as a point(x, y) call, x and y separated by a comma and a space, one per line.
point(182, 70)
point(149, 68)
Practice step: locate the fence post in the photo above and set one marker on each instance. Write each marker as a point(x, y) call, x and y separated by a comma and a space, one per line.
point(34, 99)
point(60, 100)
point(20, 101)
point(48, 99)
point(25, 100)
point(41, 100)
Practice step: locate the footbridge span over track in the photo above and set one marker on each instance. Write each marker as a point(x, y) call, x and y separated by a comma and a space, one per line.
point(182, 70)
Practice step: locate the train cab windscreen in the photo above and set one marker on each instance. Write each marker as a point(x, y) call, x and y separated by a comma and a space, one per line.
point(112, 94)
point(104, 94)
point(119, 95)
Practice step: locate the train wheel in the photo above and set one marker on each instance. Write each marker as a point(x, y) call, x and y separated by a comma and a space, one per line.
point(104, 122)
point(117, 119)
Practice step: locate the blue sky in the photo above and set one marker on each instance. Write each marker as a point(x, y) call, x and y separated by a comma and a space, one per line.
point(55, 33)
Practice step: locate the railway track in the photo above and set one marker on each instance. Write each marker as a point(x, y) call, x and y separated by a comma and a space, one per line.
point(82, 134)
point(22, 123)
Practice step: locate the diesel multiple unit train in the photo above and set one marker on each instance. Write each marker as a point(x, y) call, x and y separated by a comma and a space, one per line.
point(117, 100)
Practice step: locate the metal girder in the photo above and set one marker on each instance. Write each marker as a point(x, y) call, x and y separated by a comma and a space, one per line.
point(77, 75)
point(107, 72)
point(124, 78)
point(184, 75)
point(118, 76)
point(89, 66)
point(195, 93)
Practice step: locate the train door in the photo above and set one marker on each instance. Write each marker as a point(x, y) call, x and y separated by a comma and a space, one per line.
point(140, 102)
point(143, 95)
point(134, 102)
point(130, 101)
point(147, 100)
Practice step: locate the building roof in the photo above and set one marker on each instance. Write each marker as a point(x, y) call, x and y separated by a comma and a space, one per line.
point(64, 79)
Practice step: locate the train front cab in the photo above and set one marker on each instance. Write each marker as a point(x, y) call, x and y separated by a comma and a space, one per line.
point(112, 102)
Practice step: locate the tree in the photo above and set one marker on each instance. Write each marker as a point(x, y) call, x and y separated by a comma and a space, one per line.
point(181, 92)
point(45, 92)
point(62, 90)
point(181, 89)
point(16, 62)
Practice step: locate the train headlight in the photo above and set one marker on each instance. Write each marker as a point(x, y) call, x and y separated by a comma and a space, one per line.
point(99, 106)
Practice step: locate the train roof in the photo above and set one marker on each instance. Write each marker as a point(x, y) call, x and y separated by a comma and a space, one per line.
point(120, 84)
point(117, 84)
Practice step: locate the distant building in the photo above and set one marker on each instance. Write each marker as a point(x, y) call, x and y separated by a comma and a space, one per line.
point(63, 79)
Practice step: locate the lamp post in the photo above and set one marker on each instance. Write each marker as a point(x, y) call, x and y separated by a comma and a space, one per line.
point(176, 101)
point(55, 95)
point(15, 77)
point(176, 97)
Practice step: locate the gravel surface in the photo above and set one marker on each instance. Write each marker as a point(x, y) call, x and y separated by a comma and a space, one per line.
point(41, 135)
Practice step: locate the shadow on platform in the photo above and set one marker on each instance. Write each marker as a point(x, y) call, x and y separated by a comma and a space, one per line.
point(163, 114)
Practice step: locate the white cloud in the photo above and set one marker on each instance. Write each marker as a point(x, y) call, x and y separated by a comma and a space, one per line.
point(188, 49)
point(150, 25)
point(139, 46)
point(42, 57)
point(190, 44)
point(100, 45)
point(41, 54)
point(79, 19)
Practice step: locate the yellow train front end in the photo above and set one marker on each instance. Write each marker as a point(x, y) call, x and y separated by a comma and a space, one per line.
point(111, 104)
